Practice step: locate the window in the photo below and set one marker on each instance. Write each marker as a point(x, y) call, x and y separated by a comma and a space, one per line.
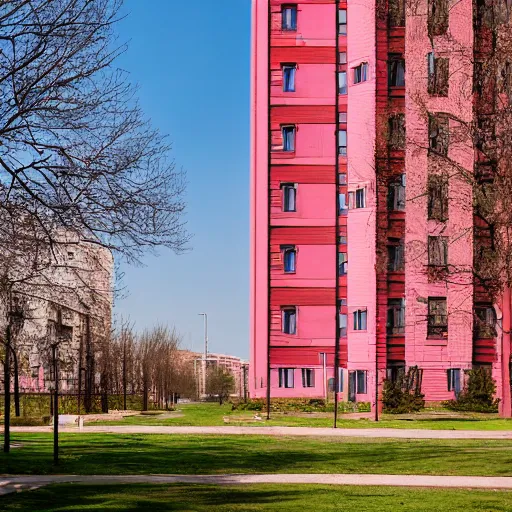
point(395, 372)
point(331, 382)
point(342, 142)
point(289, 17)
point(437, 17)
point(438, 75)
point(485, 322)
point(289, 197)
point(342, 82)
point(361, 378)
point(360, 320)
point(438, 198)
point(396, 125)
point(396, 194)
point(438, 251)
point(342, 22)
point(308, 378)
point(438, 134)
point(342, 179)
point(289, 258)
point(286, 377)
point(396, 316)
point(342, 118)
point(361, 73)
point(437, 318)
point(357, 199)
point(396, 71)
point(289, 77)
point(342, 239)
point(288, 133)
point(342, 263)
point(453, 375)
point(290, 320)
point(343, 324)
point(342, 58)
point(342, 204)
point(396, 257)
point(71, 255)
point(396, 12)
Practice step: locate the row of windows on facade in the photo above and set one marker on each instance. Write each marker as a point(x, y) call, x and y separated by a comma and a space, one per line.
point(437, 19)
point(437, 197)
point(357, 379)
point(356, 198)
point(437, 319)
point(438, 74)
point(438, 134)
point(437, 250)
point(437, 16)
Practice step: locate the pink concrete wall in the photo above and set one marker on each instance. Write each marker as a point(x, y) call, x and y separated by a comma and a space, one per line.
point(259, 200)
point(314, 392)
point(308, 272)
point(433, 355)
point(361, 278)
point(314, 145)
point(314, 327)
point(315, 24)
point(313, 86)
point(315, 206)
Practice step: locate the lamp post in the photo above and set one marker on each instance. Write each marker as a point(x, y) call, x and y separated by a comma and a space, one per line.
point(205, 315)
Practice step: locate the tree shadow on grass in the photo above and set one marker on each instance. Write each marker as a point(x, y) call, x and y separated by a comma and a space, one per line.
point(143, 454)
point(262, 498)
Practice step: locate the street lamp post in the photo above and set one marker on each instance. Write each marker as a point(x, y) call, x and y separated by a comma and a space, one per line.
point(205, 315)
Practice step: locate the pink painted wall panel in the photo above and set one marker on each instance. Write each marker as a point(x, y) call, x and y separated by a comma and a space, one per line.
point(298, 390)
point(361, 277)
point(315, 264)
point(314, 84)
point(314, 201)
point(259, 200)
point(316, 22)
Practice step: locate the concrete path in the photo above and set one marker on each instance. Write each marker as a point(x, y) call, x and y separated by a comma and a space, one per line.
point(11, 484)
point(285, 431)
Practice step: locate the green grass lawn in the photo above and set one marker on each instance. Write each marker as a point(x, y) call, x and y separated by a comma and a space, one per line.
point(211, 414)
point(191, 454)
point(257, 498)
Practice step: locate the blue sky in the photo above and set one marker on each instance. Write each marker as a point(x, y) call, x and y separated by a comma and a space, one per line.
point(191, 61)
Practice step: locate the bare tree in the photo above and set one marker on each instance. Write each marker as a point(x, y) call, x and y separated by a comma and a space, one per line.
point(79, 166)
point(76, 152)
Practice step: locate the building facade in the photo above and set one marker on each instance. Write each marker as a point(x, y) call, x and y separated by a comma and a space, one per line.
point(362, 239)
point(68, 302)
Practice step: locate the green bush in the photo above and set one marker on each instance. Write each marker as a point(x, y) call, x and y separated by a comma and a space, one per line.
point(30, 421)
point(289, 405)
point(403, 395)
point(478, 393)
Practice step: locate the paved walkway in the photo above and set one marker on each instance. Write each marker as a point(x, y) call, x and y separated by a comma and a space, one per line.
point(19, 483)
point(285, 431)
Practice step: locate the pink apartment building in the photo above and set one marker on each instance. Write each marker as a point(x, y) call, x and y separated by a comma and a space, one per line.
point(353, 229)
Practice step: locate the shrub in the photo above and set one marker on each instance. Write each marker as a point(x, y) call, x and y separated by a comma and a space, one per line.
point(30, 421)
point(288, 405)
point(478, 393)
point(403, 395)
